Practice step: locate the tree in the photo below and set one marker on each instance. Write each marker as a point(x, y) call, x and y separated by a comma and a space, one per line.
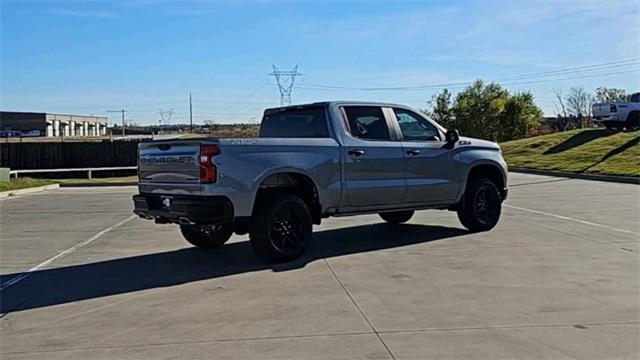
point(486, 111)
point(520, 115)
point(441, 109)
point(578, 101)
point(579, 105)
point(562, 120)
point(478, 109)
point(604, 94)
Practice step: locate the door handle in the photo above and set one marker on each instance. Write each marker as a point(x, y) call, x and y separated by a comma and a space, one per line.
point(356, 152)
point(413, 152)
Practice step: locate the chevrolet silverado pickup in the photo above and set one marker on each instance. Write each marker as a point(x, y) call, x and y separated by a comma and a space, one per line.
point(314, 161)
point(618, 115)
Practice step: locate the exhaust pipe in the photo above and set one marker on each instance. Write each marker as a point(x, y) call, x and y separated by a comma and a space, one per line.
point(185, 221)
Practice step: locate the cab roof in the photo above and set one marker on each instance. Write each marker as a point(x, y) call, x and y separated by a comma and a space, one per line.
point(326, 104)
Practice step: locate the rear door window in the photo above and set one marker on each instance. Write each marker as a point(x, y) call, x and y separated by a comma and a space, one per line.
point(295, 123)
point(367, 122)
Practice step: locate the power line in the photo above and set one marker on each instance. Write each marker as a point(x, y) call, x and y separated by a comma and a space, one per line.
point(248, 105)
point(241, 100)
point(593, 67)
point(614, 64)
point(466, 83)
point(576, 77)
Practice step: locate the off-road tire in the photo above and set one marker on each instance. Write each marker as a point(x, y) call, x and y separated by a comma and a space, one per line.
point(281, 227)
point(481, 205)
point(397, 217)
point(207, 236)
point(633, 121)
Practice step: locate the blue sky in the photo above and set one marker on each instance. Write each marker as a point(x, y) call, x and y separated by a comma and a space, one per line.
point(145, 55)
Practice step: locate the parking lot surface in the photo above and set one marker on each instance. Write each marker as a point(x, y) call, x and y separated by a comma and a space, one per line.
point(557, 278)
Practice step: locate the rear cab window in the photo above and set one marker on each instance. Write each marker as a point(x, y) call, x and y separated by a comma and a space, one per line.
point(367, 122)
point(308, 122)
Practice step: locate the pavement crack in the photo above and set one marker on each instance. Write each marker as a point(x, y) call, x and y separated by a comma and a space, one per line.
point(355, 303)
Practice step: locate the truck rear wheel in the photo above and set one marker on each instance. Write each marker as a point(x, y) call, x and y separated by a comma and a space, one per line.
point(481, 205)
point(207, 236)
point(397, 217)
point(633, 120)
point(282, 227)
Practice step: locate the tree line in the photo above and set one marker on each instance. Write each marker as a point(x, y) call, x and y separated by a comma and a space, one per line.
point(489, 111)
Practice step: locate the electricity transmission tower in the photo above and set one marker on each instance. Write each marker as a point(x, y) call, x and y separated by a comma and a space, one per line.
point(285, 80)
point(165, 116)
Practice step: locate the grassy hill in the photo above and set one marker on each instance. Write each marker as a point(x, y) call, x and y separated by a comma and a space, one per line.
point(595, 151)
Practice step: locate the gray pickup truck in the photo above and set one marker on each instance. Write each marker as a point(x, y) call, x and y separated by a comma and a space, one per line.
point(313, 161)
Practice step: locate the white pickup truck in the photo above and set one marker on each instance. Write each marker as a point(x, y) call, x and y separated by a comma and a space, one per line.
point(618, 115)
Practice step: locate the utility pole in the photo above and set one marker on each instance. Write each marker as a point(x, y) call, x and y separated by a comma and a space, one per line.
point(285, 81)
point(190, 113)
point(123, 111)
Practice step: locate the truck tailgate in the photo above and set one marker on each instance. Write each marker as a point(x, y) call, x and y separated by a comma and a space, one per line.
point(600, 110)
point(169, 162)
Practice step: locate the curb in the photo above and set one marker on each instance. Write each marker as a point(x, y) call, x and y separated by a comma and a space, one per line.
point(102, 184)
point(5, 194)
point(573, 175)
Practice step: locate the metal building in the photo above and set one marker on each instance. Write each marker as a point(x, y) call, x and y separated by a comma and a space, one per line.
point(54, 125)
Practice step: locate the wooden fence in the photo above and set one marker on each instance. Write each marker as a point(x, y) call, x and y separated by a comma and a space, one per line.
point(51, 155)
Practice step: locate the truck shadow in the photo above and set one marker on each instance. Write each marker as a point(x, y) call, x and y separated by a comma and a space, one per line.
point(629, 144)
point(93, 280)
point(578, 139)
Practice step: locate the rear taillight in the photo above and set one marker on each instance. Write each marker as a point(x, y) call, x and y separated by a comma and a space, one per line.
point(208, 170)
point(613, 108)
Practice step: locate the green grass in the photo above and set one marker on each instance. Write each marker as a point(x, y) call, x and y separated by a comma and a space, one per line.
point(594, 151)
point(23, 183)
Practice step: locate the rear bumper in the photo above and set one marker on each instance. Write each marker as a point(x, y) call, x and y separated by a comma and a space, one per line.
point(606, 118)
point(184, 209)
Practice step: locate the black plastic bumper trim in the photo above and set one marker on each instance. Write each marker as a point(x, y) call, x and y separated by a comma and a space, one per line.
point(184, 208)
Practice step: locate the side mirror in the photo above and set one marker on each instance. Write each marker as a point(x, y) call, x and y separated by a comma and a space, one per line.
point(451, 137)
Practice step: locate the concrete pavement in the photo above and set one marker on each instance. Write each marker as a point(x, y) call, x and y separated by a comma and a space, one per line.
point(557, 278)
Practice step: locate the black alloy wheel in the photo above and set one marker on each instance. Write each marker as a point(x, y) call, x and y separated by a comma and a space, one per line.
point(281, 227)
point(481, 205)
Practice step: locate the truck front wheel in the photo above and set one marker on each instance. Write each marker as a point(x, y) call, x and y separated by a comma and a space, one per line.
point(281, 227)
point(481, 205)
point(207, 236)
